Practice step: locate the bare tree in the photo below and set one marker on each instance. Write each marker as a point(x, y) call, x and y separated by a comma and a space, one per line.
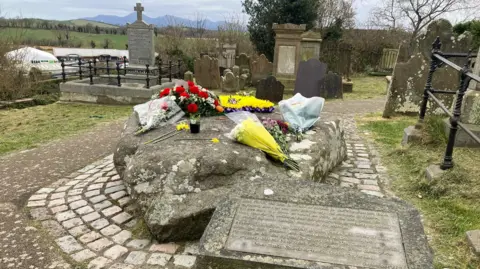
point(331, 11)
point(198, 26)
point(415, 15)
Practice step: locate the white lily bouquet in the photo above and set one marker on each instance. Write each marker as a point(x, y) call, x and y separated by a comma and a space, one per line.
point(157, 113)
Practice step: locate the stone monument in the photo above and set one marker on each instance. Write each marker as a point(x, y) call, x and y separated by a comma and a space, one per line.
point(287, 52)
point(260, 68)
point(311, 225)
point(141, 44)
point(310, 78)
point(405, 92)
point(207, 72)
point(270, 89)
point(331, 86)
point(310, 45)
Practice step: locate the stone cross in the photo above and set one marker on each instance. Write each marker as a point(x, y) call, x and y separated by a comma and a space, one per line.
point(139, 10)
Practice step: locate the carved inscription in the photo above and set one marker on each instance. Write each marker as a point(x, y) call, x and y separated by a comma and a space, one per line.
point(140, 46)
point(345, 236)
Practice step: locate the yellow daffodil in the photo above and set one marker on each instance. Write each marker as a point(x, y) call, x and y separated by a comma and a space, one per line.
point(182, 126)
point(215, 140)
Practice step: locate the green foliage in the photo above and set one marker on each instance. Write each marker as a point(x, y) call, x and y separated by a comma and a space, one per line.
point(264, 13)
point(473, 27)
point(335, 31)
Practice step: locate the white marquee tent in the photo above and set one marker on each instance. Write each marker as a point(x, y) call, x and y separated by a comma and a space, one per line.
point(28, 58)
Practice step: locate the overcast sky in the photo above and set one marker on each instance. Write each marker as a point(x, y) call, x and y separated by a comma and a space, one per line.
point(214, 10)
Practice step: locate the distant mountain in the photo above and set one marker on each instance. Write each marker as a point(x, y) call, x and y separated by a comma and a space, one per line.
point(161, 21)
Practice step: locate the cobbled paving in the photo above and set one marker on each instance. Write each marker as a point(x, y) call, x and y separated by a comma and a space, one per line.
point(88, 212)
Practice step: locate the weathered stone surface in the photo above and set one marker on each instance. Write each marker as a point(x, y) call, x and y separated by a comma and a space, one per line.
point(331, 86)
point(207, 73)
point(260, 68)
point(229, 82)
point(188, 76)
point(270, 89)
point(405, 92)
point(178, 185)
point(415, 249)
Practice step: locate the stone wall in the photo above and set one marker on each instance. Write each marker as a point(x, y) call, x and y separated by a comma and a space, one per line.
point(405, 92)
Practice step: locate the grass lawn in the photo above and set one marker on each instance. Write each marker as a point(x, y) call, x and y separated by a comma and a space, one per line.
point(29, 127)
point(367, 87)
point(451, 204)
point(118, 41)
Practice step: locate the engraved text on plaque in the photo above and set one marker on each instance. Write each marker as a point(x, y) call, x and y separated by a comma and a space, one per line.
point(317, 233)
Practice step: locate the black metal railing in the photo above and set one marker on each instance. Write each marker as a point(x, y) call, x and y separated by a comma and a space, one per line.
point(151, 73)
point(439, 59)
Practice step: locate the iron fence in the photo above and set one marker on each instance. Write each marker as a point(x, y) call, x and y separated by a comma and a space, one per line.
point(439, 59)
point(120, 69)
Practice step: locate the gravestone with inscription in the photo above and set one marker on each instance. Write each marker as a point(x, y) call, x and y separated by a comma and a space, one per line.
point(141, 44)
point(315, 226)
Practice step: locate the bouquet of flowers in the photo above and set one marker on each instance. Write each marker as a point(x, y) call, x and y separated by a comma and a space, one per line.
point(250, 131)
point(279, 130)
point(193, 99)
point(156, 113)
point(233, 103)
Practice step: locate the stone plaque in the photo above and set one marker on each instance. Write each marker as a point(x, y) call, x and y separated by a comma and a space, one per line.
point(286, 59)
point(141, 44)
point(354, 237)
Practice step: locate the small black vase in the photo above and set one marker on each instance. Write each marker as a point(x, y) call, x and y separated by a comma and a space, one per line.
point(195, 128)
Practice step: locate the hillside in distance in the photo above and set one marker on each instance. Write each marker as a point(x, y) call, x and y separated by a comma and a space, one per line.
point(162, 21)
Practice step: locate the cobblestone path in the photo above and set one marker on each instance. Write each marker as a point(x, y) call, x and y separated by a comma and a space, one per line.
point(86, 214)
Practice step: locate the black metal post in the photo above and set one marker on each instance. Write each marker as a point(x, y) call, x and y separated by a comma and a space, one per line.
point(108, 67)
point(95, 66)
point(118, 75)
point(124, 65)
point(170, 70)
point(80, 68)
point(179, 72)
point(457, 110)
point(90, 74)
point(63, 71)
point(148, 76)
point(436, 46)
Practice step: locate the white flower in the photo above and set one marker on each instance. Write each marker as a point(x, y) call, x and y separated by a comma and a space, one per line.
point(210, 100)
point(234, 132)
point(172, 97)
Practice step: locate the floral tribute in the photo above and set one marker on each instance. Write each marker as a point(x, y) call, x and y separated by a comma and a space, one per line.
point(194, 100)
point(233, 103)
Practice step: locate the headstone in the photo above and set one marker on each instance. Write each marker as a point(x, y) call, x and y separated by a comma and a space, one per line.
point(330, 227)
point(226, 71)
point(309, 79)
point(331, 86)
point(243, 61)
point(236, 70)
point(287, 51)
point(141, 44)
point(229, 82)
point(270, 89)
point(405, 92)
point(310, 45)
point(260, 68)
point(347, 86)
point(207, 72)
point(242, 82)
point(188, 76)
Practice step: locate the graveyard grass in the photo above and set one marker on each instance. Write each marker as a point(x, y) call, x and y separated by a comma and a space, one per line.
point(450, 205)
point(366, 87)
point(27, 128)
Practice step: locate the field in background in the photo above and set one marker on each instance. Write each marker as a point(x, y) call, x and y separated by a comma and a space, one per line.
point(118, 41)
point(94, 23)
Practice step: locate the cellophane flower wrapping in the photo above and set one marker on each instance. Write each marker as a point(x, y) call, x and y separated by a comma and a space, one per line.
point(157, 113)
point(300, 112)
point(250, 131)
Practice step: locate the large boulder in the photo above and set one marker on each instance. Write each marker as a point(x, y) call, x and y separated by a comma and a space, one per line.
point(177, 184)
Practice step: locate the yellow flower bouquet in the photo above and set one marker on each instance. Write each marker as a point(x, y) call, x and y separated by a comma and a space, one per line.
point(232, 103)
point(253, 134)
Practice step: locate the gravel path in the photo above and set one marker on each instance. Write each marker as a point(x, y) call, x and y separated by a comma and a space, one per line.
point(60, 173)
